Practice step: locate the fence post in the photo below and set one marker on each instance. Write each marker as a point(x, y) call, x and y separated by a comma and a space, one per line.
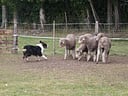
point(66, 21)
point(54, 38)
point(96, 27)
point(34, 25)
point(15, 38)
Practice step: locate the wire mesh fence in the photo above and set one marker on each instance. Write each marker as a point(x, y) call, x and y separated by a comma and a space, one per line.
point(62, 29)
point(58, 30)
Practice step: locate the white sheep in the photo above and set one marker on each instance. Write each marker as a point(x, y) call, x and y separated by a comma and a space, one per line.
point(81, 38)
point(104, 45)
point(69, 43)
point(91, 43)
point(99, 35)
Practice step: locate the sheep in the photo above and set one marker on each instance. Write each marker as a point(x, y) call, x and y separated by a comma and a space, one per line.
point(69, 43)
point(104, 45)
point(91, 43)
point(36, 50)
point(81, 38)
point(81, 51)
point(99, 35)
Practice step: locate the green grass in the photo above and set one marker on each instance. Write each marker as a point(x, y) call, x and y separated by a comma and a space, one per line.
point(118, 47)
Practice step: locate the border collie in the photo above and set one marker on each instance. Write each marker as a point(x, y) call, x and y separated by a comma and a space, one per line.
point(37, 50)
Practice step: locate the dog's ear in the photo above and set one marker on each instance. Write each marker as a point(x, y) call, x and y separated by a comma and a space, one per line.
point(40, 41)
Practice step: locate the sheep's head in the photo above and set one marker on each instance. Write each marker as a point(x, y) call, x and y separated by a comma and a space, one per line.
point(78, 53)
point(82, 39)
point(62, 42)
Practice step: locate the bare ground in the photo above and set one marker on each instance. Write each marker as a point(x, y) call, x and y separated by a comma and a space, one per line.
point(117, 66)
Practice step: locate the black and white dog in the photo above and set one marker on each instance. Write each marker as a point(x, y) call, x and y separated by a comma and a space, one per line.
point(38, 50)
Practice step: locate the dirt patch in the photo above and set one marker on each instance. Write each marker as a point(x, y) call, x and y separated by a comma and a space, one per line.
point(58, 63)
point(115, 70)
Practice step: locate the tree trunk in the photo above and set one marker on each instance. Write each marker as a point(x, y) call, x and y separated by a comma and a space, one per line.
point(4, 19)
point(88, 19)
point(93, 11)
point(95, 16)
point(42, 19)
point(116, 10)
point(109, 14)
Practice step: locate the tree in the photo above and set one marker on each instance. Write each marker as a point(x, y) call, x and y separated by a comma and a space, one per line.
point(109, 13)
point(93, 11)
point(4, 18)
point(76, 10)
point(42, 18)
point(116, 11)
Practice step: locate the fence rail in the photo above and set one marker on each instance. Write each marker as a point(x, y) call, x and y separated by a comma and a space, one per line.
point(35, 29)
point(58, 30)
point(61, 29)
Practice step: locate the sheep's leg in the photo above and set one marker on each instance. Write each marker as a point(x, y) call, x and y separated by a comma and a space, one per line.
point(104, 57)
point(98, 55)
point(66, 53)
point(79, 57)
point(94, 56)
point(88, 56)
point(69, 53)
point(73, 54)
point(107, 54)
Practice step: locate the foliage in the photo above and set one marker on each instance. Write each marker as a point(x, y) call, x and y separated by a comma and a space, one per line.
point(28, 10)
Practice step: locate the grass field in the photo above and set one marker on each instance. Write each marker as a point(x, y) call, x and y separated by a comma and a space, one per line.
point(58, 77)
point(118, 47)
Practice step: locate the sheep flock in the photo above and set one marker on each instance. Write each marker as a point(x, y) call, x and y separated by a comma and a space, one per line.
point(91, 46)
